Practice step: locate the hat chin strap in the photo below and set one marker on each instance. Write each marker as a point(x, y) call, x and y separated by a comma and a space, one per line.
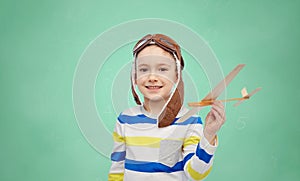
point(174, 103)
point(169, 113)
point(133, 82)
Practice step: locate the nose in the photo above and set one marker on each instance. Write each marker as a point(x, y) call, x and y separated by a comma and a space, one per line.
point(152, 77)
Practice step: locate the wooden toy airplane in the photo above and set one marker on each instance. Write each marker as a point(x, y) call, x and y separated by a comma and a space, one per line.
point(214, 94)
point(244, 93)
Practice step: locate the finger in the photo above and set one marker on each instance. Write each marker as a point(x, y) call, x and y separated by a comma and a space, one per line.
point(220, 112)
point(210, 116)
point(219, 109)
point(218, 118)
point(218, 104)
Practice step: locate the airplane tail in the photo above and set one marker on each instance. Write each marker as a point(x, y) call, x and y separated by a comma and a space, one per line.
point(246, 95)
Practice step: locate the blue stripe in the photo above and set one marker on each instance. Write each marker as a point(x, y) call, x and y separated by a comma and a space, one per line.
point(118, 156)
point(141, 118)
point(191, 120)
point(187, 158)
point(151, 167)
point(202, 154)
point(135, 119)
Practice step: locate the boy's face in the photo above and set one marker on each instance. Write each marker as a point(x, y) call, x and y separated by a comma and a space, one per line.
point(155, 73)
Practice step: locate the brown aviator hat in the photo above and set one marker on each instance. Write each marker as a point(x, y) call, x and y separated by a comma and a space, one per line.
point(174, 104)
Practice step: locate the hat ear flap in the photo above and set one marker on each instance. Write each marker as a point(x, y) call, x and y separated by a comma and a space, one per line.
point(133, 83)
point(182, 63)
point(135, 96)
point(167, 117)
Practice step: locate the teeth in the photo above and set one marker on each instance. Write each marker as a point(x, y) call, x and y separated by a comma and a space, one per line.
point(153, 87)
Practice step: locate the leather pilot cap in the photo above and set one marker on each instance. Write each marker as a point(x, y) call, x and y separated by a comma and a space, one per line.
point(175, 101)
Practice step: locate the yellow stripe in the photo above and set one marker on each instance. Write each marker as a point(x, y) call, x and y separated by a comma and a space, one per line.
point(195, 175)
point(152, 142)
point(143, 141)
point(115, 177)
point(118, 138)
point(191, 141)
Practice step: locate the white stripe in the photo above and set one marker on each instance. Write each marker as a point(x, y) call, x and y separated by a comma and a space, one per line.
point(119, 147)
point(173, 131)
point(204, 144)
point(117, 167)
point(140, 176)
point(136, 110)
point(142, 153)
point(200, 165)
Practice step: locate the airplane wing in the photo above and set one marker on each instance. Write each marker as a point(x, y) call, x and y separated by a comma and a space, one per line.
point(223, 84)
point(215, 92)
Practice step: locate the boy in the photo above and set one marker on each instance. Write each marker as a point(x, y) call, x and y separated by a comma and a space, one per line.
point(148, 142)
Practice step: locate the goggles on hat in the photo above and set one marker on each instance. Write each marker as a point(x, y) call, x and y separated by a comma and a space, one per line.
point(163, 42)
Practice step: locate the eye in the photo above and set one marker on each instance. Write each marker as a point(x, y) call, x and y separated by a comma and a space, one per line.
point(143, 69)
point(163, 69)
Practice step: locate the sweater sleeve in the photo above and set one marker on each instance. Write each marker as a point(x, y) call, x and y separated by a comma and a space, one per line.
point(116, 172)
point(198, 153)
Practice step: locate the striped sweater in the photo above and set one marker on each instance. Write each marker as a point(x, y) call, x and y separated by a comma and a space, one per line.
point(144, 152)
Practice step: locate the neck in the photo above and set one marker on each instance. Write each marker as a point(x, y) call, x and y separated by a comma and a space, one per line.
point(154, 107)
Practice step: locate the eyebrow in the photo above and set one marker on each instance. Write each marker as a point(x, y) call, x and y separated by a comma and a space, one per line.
point(164, 64)
point(161, 64)
point(143, 64)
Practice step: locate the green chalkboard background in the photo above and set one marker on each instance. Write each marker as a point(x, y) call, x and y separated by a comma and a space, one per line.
point(42, 42)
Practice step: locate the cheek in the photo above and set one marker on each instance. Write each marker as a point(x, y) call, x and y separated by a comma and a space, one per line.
point(140, 80)
point(142, 75)
point(171, 77)
point(174, 77)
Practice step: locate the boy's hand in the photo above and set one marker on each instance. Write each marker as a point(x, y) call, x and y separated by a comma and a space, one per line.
point(214, 121)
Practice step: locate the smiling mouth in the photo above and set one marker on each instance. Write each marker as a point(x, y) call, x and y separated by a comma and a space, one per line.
point(153, 87)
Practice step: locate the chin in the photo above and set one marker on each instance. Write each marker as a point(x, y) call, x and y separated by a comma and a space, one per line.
point(156, 98)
